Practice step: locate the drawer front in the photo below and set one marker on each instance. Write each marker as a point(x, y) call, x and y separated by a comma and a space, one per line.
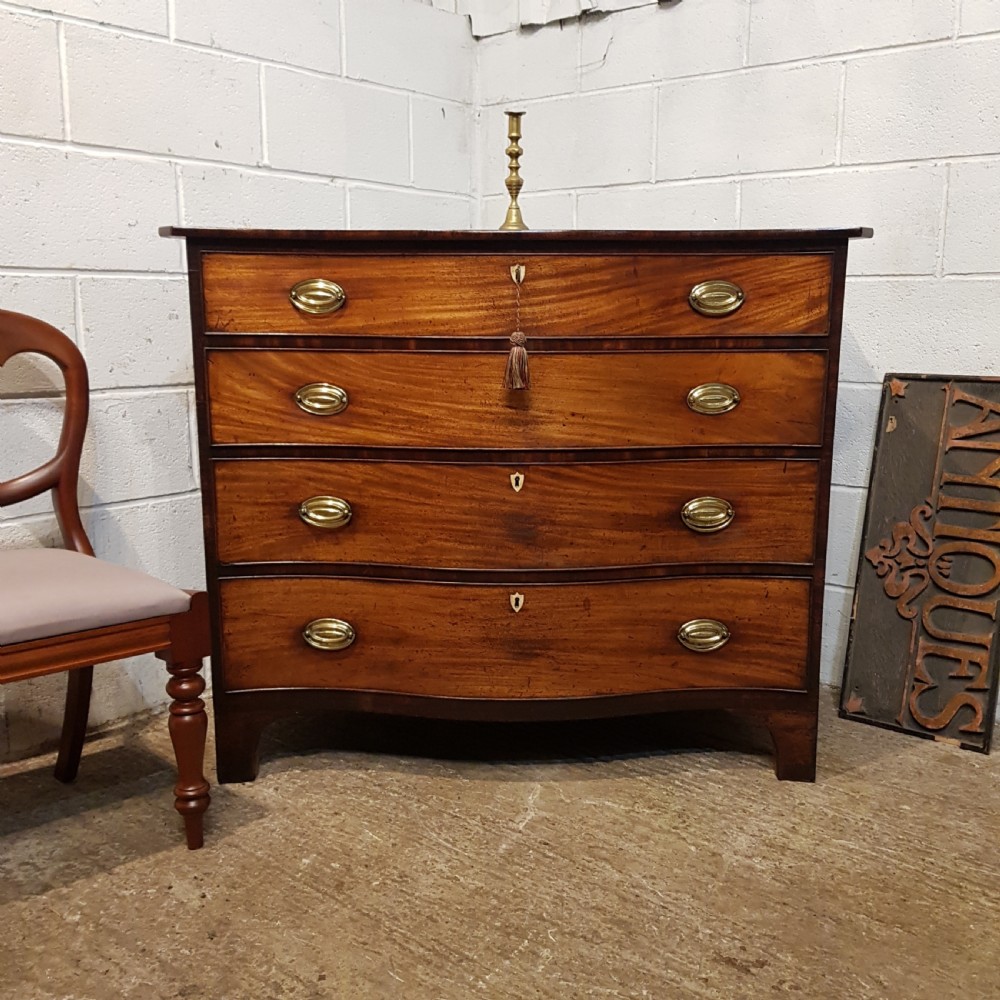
point(466, 641)
point(564, 296)
point(498, 516)
point(455, 400)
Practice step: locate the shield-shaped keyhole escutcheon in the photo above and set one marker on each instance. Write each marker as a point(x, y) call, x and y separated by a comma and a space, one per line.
point(517, 481)
point(517, 601)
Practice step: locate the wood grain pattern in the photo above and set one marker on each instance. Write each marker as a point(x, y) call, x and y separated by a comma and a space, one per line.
point(565, 515)
point(412, 399)
point(581, 295)
point(465, 641)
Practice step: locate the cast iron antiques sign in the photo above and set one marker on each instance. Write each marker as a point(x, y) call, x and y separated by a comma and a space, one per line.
point(924, 649)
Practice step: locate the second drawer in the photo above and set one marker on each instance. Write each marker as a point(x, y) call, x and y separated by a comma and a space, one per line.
point(530, 516)
point(614, 399)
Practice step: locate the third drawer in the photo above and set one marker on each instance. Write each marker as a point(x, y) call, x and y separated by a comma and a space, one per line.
point(613, 399)
point(547, 516)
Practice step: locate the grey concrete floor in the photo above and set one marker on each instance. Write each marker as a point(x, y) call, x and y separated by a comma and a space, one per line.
point(650, 859)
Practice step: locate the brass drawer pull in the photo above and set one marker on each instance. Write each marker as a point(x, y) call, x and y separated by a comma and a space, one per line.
point(712, 398)
point(326, 512)
point(716, 298)
point(707, 514)
point(702, 635)
point(321, 399)
point(328, 634)
point(317, 296)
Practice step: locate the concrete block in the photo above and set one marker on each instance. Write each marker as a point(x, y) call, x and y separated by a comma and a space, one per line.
point(137, 446)
point(401, 44)
point(18, 532)
point(30, 86)
point(442, 134)
point(535, 62)
point(44, 296)
point(535, 12)
point(900, 325)
point(223, 197)
point(972, 231)
point(922, 103)
point(161, 537)
point(302, 32)
point(657, 43)
point(857, 415)
point(836, 627)
point(381, 208)
point(980, 16)
point(339, 128)
point(137, 93)
point(586, 141)
point(491, 18)
point(33, 708)
point(765, 119)
point(663, 206)
point(903, 205)
point(540, 211)
point(136, 331)
point(64, 209)
point(47, 298)
point(847, 513)
point(783, 30)
point(151, 17)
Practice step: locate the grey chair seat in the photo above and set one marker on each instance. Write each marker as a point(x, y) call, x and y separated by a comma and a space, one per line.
point(49, 592)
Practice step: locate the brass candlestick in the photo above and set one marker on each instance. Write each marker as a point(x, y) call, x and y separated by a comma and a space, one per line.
point(514, 183)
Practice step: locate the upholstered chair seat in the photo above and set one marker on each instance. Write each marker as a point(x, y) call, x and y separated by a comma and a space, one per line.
point(49, 592)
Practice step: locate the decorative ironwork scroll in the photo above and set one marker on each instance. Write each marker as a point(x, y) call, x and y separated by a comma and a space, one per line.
point(924, 649)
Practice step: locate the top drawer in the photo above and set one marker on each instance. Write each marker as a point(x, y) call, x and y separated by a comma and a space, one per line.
point(561, 296)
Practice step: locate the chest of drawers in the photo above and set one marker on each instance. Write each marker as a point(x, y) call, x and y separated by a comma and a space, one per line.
point(389, 529)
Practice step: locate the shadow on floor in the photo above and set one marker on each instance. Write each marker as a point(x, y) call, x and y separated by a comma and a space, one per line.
point(287, 741)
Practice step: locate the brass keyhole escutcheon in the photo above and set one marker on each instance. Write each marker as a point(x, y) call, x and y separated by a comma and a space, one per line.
point(517, 602)
point(517, 481)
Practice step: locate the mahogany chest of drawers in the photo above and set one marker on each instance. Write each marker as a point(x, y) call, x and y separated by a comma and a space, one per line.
point(390, 529)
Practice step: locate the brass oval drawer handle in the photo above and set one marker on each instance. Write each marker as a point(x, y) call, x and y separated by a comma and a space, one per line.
point(716, 297)
point(317, 296)
point(326, 512)
point(707, 514)
point(321, 399)
point(712, 398)
point(702, 635)
point(328, 634)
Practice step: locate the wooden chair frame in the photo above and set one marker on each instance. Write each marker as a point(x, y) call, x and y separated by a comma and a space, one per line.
point(182, 640)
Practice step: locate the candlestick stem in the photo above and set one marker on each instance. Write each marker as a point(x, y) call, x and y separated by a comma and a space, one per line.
point(514, 182)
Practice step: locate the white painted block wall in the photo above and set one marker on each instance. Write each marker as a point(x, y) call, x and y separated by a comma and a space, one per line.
point(117, 117)
point(772, 113)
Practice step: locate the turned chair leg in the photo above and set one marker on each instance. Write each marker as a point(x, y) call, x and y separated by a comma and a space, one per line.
point(78, 686)
point(188, 728)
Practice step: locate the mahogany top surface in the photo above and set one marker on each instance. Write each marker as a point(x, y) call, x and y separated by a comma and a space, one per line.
point(536, 239)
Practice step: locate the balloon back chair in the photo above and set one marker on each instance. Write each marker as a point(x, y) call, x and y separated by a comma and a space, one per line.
point(65, 610)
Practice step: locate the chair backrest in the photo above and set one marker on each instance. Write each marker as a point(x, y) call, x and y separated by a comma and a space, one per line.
point(20, 334)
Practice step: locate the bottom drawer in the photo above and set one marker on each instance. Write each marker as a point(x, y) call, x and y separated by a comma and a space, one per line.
point(467, 641)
